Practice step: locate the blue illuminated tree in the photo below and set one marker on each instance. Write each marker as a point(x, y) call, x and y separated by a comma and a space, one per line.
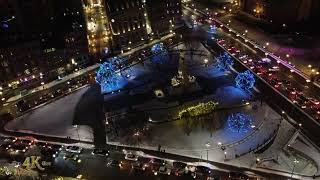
point(107, 78)
point(239, 122)
point(118, 61)
point(245, 80)
point(224, 62)
point(158, 51)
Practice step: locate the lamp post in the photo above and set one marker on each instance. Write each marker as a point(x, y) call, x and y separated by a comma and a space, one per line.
point(295, 162)
point(207, 148)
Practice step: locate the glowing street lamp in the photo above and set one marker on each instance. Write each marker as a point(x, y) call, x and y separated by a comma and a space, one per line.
point(207, 146)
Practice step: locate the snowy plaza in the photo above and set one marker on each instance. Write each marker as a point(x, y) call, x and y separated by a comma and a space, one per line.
point(142, 103)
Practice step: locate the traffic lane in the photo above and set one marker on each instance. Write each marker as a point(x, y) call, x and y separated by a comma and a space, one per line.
point(87, 158)
point(311, 91)
point(281, 74)
point(67, 167)
point(95, 167)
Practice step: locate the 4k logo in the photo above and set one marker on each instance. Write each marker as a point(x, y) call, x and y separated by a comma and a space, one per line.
point(33, 162)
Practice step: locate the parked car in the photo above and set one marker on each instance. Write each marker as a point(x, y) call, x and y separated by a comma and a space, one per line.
point(139, 165)
point(74, 149)
point(73, 157)
point(238, 176)
point(114, 163)
point(163, 170)
point(100, 152)
point(203, 170)
point(131, 157)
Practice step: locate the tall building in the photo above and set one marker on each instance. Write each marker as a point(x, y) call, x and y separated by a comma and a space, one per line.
point(133, 22)
point(128, 23)
point(39, 39)
point(163, 15)
point(282, 12)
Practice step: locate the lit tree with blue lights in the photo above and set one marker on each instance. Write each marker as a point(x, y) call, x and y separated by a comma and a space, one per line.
point(158, 51)
point(117, 61)
point(107, 78)
point(245, 80)
point(224, 62)
point(239, 122)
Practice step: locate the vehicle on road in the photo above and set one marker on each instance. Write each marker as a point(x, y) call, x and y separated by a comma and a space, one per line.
point(10, 139)
point(131, 157)
point(139, 165)
point(162, 170)
point(56, 147)
point(238, 176)
point(203, 170)
point(17, 148)
point(73, 157)
point(179, 168)
point(43, 145)
point(100, 152)
point(74, 149)
point(5, 147)
point(114, 163)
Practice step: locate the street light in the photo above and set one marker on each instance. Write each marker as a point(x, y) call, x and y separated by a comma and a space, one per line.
point(205, 61)
point(294, 165)
point(207, 146)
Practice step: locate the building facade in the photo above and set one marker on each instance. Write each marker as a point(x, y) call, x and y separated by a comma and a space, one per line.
point(137, 21)
point(282, 12)
point(163, 15)
point(128, 23)
point(39, 39)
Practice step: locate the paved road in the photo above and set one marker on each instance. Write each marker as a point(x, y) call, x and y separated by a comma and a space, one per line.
point(308, 89)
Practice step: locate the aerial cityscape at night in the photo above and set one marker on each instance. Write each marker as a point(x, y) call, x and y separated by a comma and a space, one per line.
point(159, 89)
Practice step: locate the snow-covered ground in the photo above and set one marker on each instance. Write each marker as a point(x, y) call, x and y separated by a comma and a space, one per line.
point(54, 119)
